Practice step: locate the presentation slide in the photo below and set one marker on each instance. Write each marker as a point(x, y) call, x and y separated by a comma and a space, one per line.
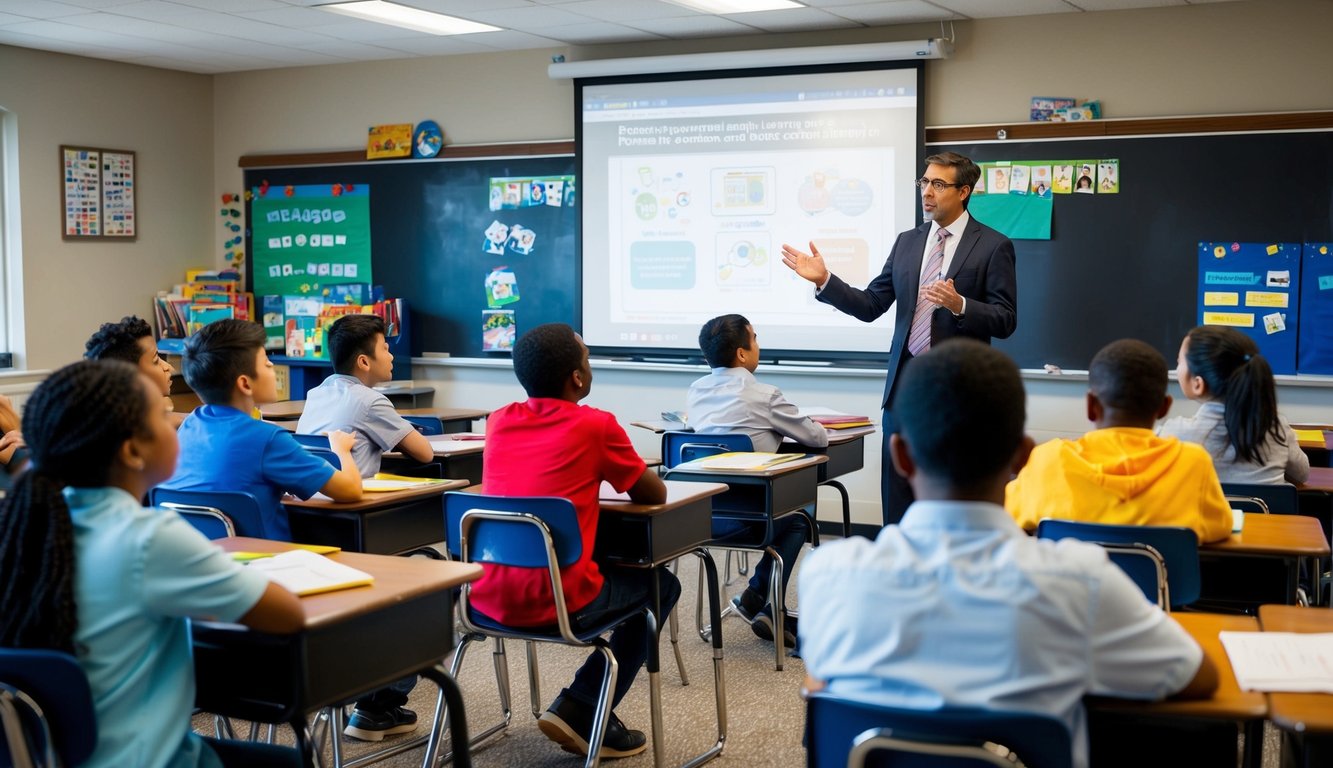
point(691, 187)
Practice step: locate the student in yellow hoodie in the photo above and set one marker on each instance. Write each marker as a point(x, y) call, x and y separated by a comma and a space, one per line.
point(1121, 473)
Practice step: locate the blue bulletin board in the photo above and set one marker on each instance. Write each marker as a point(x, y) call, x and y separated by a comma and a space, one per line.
point(1315, 354)
point(1253, 287)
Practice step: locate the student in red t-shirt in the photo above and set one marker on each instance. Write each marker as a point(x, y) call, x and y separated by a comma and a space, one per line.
point(549, 445)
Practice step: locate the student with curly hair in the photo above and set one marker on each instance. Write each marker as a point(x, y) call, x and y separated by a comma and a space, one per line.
point(131, 340)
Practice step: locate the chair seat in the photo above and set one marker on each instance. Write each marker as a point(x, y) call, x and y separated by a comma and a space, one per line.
point(551, 631)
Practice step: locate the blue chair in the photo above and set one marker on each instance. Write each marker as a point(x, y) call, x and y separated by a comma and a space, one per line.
point(216, 514)
point(527, 532)
point(426, 425)
point(847, 733)
point(312, 441)
point(1280, 499)
point(1162, 560)
point(46, 709)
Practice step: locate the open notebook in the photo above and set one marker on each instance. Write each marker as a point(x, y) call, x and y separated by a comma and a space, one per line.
point(306, 573)
point(1281, 661)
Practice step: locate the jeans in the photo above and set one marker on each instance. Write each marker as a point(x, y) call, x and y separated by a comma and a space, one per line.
point(389, 697)
point(622, 589)
point(789, 535)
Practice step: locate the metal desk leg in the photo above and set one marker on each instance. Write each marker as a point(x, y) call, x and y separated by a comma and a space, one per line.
point(719, 671)
point(453, 699)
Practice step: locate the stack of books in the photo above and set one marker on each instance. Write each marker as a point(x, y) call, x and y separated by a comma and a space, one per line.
point(206, 296)
point(841, 421)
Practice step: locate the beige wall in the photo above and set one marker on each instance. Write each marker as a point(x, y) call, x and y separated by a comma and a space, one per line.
point(69, 288)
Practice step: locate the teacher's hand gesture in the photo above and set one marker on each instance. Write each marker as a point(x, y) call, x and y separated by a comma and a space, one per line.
point(808, 265)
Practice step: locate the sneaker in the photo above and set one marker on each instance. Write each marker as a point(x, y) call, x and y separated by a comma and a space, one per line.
point(569, 724)
point(368, 725)
point(761, 622)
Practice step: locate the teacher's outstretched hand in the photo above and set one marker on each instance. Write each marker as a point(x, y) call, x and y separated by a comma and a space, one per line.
point(808, 265)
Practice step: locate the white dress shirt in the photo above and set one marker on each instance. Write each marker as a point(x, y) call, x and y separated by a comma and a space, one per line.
point(733, 400)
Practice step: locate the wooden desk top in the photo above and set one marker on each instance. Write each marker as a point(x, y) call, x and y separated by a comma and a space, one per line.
point(370, 501)
point(1321, 479)
point(679, 493)
point(396, 579)
point(1281, 535)
point(285, 410)
point(809, 460)
point(835, 436)
point(1299, 712)
point(447, 414)
point(1228, 702)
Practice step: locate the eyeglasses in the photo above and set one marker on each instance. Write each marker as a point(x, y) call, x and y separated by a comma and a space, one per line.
point(939, 185)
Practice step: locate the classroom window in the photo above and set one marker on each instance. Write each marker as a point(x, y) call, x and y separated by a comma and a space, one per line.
point(11, 280)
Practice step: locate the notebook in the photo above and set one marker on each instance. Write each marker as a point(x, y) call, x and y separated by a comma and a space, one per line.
point(306, 573)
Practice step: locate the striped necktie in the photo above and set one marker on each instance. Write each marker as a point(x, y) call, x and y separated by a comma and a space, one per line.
point(918, 340)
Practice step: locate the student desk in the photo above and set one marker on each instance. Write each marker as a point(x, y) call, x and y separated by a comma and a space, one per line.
point(459, 459)
point(354, 641)
point(774, 492)
point(1319, 451)
point(846, 454)
point(453, 419)
point(651, 536)
point(1321, 479)
point(1300, 712)
point(1285, 538)
point(1228, 703)
point(283, 410)
point(381, 523)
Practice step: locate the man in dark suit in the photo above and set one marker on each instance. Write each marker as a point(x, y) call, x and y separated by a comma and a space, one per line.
point(958, 271)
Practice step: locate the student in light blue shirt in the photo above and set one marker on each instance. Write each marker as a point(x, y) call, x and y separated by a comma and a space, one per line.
point(87, 570)
point(955, 605)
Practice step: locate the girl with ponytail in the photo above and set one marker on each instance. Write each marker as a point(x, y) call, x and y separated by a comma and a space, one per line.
point(1238, 422)
point(87, 570)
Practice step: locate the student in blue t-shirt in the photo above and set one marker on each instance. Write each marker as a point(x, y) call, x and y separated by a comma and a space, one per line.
point(224, 448)
point(87, 570)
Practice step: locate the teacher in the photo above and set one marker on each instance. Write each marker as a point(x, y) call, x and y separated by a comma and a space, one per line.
point(951, 276)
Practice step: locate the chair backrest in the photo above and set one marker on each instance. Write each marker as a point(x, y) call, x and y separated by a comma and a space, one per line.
point(426, 425)
point(326, 454)
point(1146, 567)
point(215, 513)
point(517, 531)
point(1281, 499)
point(45, 704)
point(312, 441)
point(840, 732)
point(1177, 547)
point(680, 447)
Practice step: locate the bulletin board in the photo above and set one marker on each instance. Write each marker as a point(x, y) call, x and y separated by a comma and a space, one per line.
point(480, 248)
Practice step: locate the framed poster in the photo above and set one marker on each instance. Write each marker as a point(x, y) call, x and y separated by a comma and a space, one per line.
point(97, 193)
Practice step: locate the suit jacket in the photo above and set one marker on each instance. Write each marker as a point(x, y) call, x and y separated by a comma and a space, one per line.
point(982, 271)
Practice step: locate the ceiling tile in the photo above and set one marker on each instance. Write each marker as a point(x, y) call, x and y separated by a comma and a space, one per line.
point(989, 9)
point(906, 12)
point(509, 40)
point(364, 31)
point(234, 6)
point(696, 26)
point(597, 32)
point(247, 29)
point(39, 9)
point(1120, 5)
point(439, 45)
point(455, 7)
point(628, 11)
point(794, 19)
point(534, 18)
point(354, 51)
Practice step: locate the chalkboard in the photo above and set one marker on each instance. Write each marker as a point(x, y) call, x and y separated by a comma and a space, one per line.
point(1126, 265)
point(428, 222)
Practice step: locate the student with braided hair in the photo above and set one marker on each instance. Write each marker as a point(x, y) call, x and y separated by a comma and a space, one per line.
point(1237, 421)
point(86, 570)
point(131, 340)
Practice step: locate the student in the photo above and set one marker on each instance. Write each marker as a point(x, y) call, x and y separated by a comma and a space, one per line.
point(345, 400)
point(731, 399)
point(13, 452)
point(1237, 423)
point(549, 445)
point(89, 571)
point(955, 606)
point(1121, 473)
point(131, 340)
point(224, 448)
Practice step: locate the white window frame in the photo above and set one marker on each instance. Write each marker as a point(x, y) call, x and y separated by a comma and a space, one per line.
point(11, 244)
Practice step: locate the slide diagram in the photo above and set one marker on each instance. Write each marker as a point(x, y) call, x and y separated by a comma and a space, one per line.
point(694, 235)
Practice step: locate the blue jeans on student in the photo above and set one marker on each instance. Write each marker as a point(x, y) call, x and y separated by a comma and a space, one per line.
point(622, 588)
point(389, 697)
point(789, 535)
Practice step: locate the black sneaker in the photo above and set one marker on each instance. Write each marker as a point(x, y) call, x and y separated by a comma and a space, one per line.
point(374, 726)
point(569, 724)
point(761, 623)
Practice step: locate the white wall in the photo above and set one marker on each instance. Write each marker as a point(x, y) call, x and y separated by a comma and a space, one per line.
point(166, 118)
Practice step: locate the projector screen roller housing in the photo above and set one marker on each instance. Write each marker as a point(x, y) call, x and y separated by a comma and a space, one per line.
point(692, 183)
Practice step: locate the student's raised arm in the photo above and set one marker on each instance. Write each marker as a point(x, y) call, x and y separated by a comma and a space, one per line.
point(345, 484)
point(417, 446)
point(278, 612)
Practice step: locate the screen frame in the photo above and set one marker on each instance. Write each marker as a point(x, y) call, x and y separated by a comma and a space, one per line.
point(848, 358)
